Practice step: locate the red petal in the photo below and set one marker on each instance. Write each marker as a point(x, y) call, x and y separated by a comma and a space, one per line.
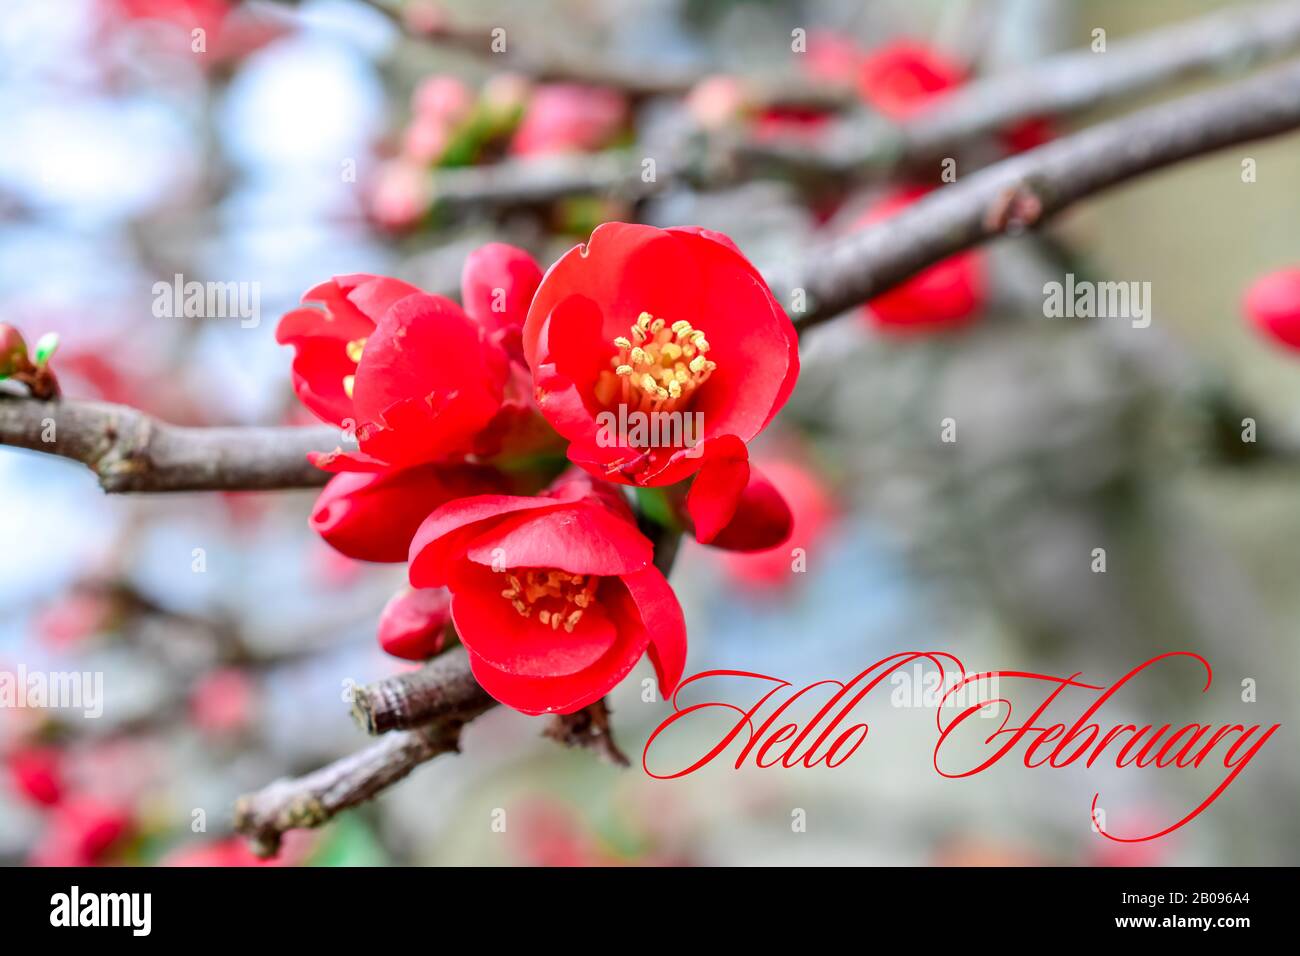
point(561, 695)
point(497, 285)
point(413, 625)
point(762, 520)
point(352, 306)
point(753, 340)
point(904, 77)
point(576, 538)
point(490, 627)
point(372, 296)
point(715, 494)
point(624, 269)
point(570, 337)
point(660, 615)
point(429, 379)
point(338, 461)
point(447, 532)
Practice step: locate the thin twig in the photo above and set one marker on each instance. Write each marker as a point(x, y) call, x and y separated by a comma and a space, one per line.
point(314, 799)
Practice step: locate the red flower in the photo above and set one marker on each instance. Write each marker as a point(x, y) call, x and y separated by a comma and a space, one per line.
point(946, 295)
point(418, 377)
point(37, 774)
point(569, 117)
point(328, 341)
point(414, 624)
point(904, 77)
point(642, 321)
point(82, 831)
point(555, 596)
point(372, 516)
point(1273, 304)
point(812, 510)
point(432, 391)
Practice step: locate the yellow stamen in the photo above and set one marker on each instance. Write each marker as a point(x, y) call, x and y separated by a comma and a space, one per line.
point(559, 597)
point(657, 366)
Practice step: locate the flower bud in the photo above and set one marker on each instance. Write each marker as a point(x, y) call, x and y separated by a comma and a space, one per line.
point(13, 351)
point(414, 624)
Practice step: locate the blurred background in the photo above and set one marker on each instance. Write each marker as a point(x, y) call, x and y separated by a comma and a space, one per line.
point(331, 136)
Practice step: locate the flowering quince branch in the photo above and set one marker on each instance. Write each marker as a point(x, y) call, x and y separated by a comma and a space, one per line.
point(1023, 191)
point(553, 589)
point(133, 452)
point(1058, 86)
point(425, 712)
point(1079, 80)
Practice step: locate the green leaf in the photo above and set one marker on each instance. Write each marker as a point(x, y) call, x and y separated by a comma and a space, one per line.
point(653, 504)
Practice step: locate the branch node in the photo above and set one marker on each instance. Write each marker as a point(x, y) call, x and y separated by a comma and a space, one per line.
point(589, 729)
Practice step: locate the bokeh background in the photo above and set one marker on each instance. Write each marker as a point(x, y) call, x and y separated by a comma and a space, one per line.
point(125, 159)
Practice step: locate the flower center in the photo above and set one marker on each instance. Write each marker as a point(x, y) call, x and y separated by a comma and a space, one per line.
point(657, 367)
point(559, 598)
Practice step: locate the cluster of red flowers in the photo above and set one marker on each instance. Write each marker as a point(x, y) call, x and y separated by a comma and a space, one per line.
point(899, 80)
point(451, 125)
point(463, 415)
point(80, 830)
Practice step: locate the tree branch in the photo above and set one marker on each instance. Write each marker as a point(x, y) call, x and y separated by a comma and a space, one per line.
point(529, 182)
point(1082, 79)
point(1023, 191)
point(131, 451)
point(313, 800)
point(868, 144)
point(1059, 85)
